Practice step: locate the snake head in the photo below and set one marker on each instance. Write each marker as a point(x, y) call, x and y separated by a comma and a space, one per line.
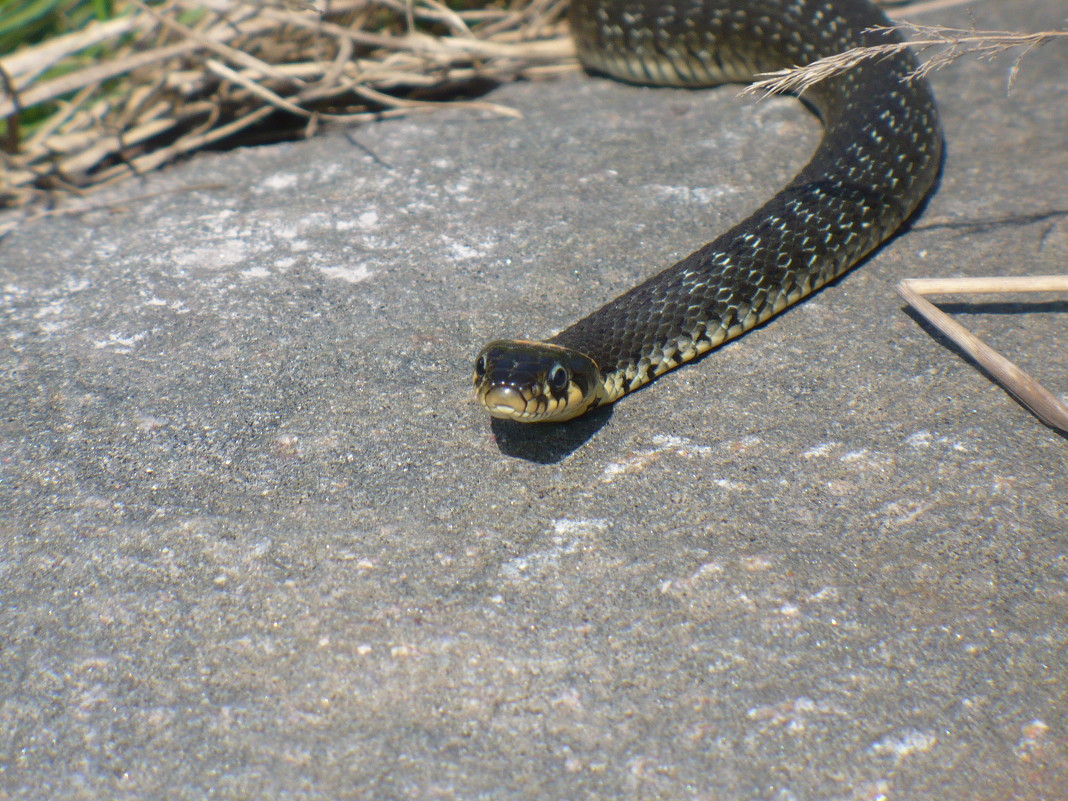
point(535, 382)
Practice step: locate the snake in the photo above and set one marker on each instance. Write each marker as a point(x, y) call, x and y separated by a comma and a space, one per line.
point(877, 161)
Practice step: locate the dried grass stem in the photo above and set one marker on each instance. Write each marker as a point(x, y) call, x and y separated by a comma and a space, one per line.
point(127, 95)
point(185, 74)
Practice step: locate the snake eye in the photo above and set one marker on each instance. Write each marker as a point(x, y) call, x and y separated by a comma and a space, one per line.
point(558, 377)
point(480, 366)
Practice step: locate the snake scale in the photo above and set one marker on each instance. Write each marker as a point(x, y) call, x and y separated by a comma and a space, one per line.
point(878, 158)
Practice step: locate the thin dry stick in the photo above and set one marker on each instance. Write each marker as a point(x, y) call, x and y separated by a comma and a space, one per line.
point(224, 51)
point(27, 62)
point(1045, 406)
point(912, 9)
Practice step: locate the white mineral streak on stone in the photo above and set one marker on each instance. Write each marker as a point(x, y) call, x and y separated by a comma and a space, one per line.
point(280, 180)
point(661, 444)
point(354, 275)
point(211, 257)
point(568, 537)
point(822, 449)
point(908, 742)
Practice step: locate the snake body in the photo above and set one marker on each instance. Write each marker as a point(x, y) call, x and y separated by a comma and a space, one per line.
point(877, 160)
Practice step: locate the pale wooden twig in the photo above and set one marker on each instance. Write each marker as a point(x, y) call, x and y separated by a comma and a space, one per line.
point(255, 88)
point(91, 76)
point(914, 9)
point(547, 50)
point(25, 63)
point(398, 102)
point(1045, 406)
point(222, 50)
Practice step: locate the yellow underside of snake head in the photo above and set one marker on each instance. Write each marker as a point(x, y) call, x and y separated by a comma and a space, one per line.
point(535, 382)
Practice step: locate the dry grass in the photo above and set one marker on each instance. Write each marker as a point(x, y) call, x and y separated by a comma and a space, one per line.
point(125, 96)
point(183, 75)
point(949, 44)
point(1042, 403)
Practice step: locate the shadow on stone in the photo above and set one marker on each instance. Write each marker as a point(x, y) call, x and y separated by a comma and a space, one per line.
point(1006, 307)
point(548, 443)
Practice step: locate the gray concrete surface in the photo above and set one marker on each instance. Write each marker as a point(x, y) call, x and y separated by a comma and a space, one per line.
point(257, 542)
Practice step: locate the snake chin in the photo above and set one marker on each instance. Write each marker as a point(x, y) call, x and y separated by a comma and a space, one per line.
point(535, 382)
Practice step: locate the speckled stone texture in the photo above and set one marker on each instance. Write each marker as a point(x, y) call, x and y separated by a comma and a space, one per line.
point(258, 542)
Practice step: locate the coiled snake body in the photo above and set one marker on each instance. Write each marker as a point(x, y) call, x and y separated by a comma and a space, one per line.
point(878, 158)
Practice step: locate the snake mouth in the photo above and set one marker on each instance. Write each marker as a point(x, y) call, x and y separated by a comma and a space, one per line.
point(506, 403)
point(534, 382)
point(528, 404)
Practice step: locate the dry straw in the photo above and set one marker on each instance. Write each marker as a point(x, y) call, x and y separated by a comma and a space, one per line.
point(182, 75)
point(1047, 407)
point(125, 96)
point(949, 43)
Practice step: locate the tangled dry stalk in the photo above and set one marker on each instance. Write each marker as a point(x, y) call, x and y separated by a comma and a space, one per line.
point(951, 44)
point(125, 96)
point(187, 74)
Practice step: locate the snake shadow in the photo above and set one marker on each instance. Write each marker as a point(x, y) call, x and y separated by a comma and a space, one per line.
point(548, 443)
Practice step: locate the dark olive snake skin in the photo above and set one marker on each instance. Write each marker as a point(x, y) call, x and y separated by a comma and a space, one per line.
point(878, 159)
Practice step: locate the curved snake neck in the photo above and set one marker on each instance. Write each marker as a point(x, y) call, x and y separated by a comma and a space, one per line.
point(878, 159)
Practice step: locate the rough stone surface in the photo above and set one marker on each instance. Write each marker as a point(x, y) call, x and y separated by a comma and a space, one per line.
point(257, 542)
